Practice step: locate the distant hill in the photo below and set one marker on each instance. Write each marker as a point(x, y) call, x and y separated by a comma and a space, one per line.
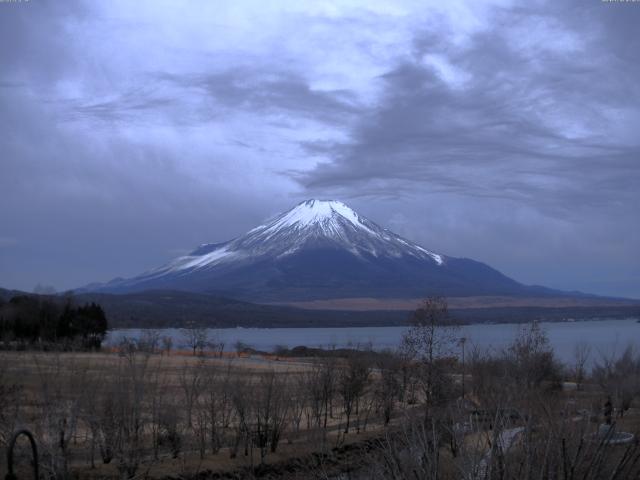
point(174, 308)
point(161, 308)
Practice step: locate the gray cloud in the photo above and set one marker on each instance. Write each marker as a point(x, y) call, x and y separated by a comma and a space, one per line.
point(541, 130)
point(265, 92)
point(505, 133)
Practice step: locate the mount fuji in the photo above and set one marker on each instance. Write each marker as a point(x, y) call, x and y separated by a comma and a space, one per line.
point(322, 250)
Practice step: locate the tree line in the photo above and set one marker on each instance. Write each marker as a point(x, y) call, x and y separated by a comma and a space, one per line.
point(50, 321)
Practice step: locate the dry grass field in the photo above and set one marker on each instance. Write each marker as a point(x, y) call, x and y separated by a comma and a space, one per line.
point(137, 414)
point(64, 395)
point(409, 304)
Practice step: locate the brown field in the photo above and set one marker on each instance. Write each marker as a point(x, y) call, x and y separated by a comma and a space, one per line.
point(409, 304)
point(75, 380)
point(156, 415)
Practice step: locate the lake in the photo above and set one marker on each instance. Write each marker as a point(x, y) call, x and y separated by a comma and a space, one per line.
point(604, 336)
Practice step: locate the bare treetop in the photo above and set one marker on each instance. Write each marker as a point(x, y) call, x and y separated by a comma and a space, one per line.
point(433, 333)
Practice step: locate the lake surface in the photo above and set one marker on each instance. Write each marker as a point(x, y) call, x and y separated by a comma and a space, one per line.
point(604, 336)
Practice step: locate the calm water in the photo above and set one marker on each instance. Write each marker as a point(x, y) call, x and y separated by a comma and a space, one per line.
point(604, 336)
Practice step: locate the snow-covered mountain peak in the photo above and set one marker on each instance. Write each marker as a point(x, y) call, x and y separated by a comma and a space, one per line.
point(320, 249)
point(327, 214)
point(313, 211)
point(312, 224)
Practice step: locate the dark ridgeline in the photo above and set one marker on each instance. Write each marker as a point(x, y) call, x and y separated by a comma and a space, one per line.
point(165, 308)
point(48, 321)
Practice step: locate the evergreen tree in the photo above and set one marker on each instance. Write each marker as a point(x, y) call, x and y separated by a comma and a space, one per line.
point(35, 319)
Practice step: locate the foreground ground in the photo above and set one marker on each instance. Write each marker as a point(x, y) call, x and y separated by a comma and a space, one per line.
point(140, 414)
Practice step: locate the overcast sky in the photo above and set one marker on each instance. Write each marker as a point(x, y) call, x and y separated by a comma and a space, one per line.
point(507, 132)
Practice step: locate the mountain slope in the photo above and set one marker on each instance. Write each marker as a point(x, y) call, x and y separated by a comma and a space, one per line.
point(319, 250)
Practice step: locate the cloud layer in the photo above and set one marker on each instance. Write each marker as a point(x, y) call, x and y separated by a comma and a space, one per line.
point(502, 131)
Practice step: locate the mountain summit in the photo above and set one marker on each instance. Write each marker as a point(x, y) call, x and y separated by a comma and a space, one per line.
point(310, 224)
point(321, 249)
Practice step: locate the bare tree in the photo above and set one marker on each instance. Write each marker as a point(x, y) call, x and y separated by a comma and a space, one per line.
point(59, 382)
point(430, 339)
point(619, 376)
point(581, 354)
point(149, 341)
point(269, 412)
point(216, 405)
point(92, 393)
point(312, 384)
point(129, 395)
point(157, 404)
point(167, 344)
point(299, 400)
point(171, 429)
point(388, 387)
point(327, 387)
point(490, 381)
point(107, 435)
point(195, 337)
point(10, 400)
point(216, 345)
point(242, 406)
point(531, 358)
point(191, 383)
point(352, 379)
